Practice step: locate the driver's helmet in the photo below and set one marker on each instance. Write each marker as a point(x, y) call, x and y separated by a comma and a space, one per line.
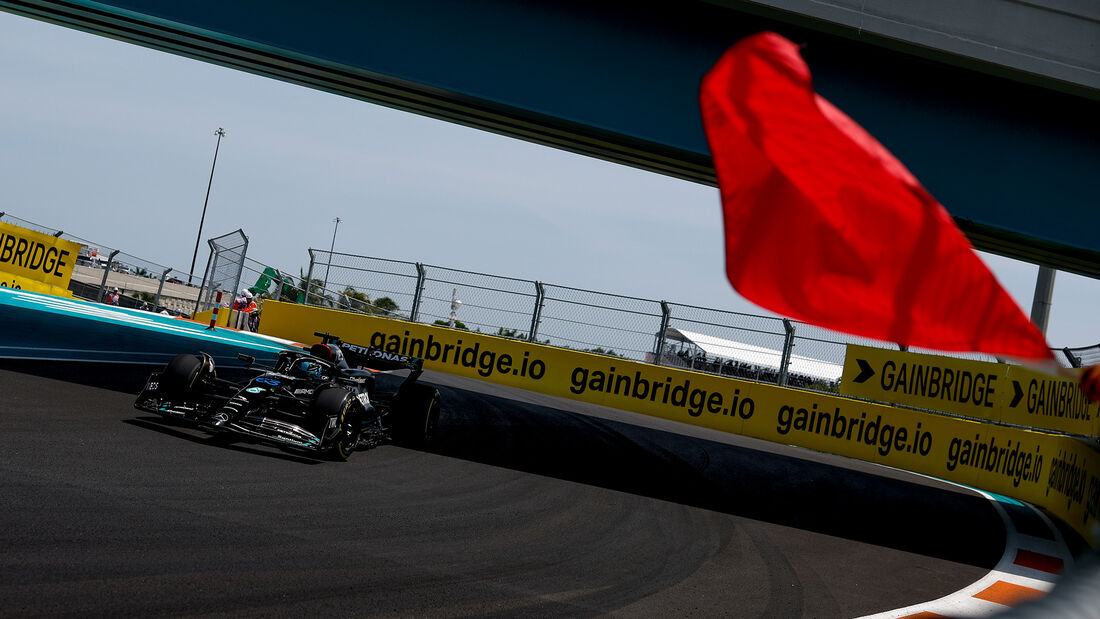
point(309, 369)
point(330, 353)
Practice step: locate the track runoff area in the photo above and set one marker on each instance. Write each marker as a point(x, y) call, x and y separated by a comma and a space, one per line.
point(1058, 473)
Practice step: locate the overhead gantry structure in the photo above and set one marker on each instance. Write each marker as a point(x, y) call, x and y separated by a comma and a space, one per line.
point(991, 103)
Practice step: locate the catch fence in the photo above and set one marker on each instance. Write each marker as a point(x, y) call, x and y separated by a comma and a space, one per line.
point(751, 346)
point(99, 268)
point(755, 347)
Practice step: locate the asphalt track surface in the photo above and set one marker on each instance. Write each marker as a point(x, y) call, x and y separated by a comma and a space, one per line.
point(523, 506)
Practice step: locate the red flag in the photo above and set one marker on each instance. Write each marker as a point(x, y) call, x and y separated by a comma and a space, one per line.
point(824, 225)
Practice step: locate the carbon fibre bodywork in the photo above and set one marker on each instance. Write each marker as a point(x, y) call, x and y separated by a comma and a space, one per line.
point(311, 401)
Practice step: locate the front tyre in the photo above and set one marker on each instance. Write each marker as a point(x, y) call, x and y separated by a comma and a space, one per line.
point(339, 404)
point(183, 375)
point(416, 412)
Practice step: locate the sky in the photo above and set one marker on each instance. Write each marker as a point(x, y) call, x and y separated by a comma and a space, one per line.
point(113, 143)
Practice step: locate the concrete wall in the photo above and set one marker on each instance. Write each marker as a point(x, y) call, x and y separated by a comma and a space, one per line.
point(178, 297)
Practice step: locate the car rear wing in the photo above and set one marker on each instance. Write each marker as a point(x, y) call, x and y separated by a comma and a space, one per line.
point(373, 358)
point(378, 359)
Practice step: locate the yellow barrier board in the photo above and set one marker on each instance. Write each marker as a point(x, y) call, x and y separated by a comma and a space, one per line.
point(7, 280)
point(1039, 400)
point(224, 316)
point(1056, 472)
point(31, 260)
point(990, 391)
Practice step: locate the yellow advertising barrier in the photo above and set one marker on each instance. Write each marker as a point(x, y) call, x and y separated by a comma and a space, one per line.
point(1056, 472)
point(991, 391)
point(223, 317)
point(228, 318)
point(7, 280)
point(34, 261)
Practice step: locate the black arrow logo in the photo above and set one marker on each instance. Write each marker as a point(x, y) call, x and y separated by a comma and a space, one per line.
point(865, 371)
point(1016, 397)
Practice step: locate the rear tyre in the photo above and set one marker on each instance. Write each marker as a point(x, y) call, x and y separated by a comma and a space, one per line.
point(416, 412)
point(338, 403)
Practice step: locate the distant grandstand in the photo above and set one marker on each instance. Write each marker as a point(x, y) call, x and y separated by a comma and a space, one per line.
point(1084, 356)
point(720, 356)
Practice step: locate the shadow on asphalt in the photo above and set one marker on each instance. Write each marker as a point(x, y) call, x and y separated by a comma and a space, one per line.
point(187, 433)
point(124, 377)
point(804, 494)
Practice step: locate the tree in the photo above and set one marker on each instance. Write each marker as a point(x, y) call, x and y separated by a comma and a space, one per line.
point(387, 305)
point(317, 295)
point(290, 292)
point(600, 351)
point(446, 323)
point(513, 333)
point(356, 301)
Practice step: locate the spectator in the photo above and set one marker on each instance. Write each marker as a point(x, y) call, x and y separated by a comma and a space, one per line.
point(112, 296)
point(246, 307)
point(254, 316)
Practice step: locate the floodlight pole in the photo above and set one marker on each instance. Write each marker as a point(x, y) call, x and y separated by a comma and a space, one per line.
point(221, 134)
point(1043, 299)
point(330, 248)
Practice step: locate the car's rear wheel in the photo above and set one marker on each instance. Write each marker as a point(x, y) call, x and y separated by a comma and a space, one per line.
point(416, 414)
point(338, 403)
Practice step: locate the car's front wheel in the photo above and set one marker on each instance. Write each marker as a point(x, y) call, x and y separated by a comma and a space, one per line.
point(182, 375)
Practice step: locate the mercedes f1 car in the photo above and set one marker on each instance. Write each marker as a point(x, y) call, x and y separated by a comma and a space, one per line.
point(311, 401)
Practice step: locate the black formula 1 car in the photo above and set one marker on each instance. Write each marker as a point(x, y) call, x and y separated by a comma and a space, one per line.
point(312, 401)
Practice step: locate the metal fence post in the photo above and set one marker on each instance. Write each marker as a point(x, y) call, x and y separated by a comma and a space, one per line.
point(421, 275)
point(279, 290)
point(240, 265)
point(788, 348)
point(160, 288)
point(106, 272)
point(1073, 359)
point(666, 316)
point(309, 279)
point(206, 275)
point(536, 316)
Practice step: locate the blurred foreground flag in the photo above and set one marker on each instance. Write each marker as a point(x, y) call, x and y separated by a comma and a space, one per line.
point(824, 225)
